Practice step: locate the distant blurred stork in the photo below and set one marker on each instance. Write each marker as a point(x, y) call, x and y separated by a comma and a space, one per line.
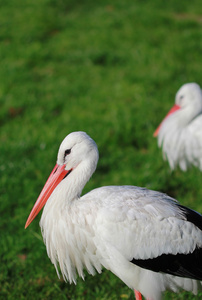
point(180, 133)
point(146, 238)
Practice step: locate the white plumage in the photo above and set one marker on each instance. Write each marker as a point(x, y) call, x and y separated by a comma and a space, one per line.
point(180, 133)
point(138, 234)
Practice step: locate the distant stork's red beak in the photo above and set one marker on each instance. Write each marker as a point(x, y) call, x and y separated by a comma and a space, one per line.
point(172, 110)
point(54, 179)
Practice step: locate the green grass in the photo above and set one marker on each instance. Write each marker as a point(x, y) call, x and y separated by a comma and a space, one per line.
point(108, 68)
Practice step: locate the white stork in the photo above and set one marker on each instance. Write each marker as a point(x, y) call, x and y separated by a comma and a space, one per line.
point(144, 237)
point(180, 133)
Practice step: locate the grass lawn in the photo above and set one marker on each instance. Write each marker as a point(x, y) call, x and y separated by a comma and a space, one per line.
point(110, 68)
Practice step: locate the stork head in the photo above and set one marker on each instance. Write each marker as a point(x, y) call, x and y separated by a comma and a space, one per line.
point(77, 147)
point(188, 100)
point(189, 95)
point(77, 152)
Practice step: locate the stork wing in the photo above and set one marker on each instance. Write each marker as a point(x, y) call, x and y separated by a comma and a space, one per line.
point(145, 226)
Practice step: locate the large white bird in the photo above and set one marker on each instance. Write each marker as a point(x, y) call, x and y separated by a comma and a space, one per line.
point(144, 237)
point(180, 133)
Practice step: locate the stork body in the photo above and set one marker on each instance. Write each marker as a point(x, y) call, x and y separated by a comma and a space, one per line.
point(146, 238)
point(180, 133)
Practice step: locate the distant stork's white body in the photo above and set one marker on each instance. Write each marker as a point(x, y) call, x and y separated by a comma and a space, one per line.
point(146, 238)
point(180, 133)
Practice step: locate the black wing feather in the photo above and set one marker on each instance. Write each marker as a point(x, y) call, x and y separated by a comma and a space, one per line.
point(183, 265)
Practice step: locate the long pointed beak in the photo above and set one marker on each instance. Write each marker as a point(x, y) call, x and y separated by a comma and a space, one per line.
point(171, 111)
point(54, 179)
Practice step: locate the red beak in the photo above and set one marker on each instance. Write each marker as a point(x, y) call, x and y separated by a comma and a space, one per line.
point(172, 110)
point(54, 179)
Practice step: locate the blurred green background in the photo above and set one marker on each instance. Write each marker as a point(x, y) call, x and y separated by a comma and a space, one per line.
point(110, 68)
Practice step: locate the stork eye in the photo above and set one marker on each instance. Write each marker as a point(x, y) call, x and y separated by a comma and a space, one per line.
point(181, 97)
point(67, 152)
